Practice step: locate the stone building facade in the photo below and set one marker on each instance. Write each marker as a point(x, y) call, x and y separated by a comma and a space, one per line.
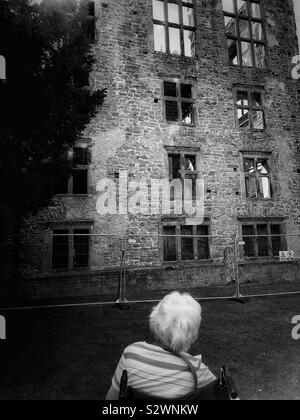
point(196, 89)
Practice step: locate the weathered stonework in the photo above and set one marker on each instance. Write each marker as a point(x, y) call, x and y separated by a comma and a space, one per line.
point(130, 133)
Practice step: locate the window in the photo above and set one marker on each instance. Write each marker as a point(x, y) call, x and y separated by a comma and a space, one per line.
point(70, 248)
point(174, 27)
point(263, 239)
point(250, 112)
point(185, 243)
point(2, 68)
point(78, 182)
point(257, 174)
point(179, 103)
point(183, 166)
point(91, 30)
point(245, 32)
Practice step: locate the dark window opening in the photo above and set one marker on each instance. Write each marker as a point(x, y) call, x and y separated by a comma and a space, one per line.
point(171, 111)
point(91, 8)
point(263, 239)
point(81, 248)
point(80, 182)
point(179, 103)
point(77, 184)
point(70, 248)
point(203, 242)
point(186, 243)
point(60, 250)
point(170, 253)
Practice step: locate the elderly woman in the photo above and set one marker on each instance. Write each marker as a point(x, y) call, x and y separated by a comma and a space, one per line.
point(164, 369)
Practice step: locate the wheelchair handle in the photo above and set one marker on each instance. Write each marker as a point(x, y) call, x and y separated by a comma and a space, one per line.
point(123, 386)
point(226, 380)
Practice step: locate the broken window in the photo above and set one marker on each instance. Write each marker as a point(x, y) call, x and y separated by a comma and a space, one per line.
point(179, 103)
point(77, 184)
point(183, 166)
point(263, 239)
point(174, 27)
point(257, 177)
point(250, 112)
point(186, 243)
point(2, 68)
point(70, 248)
point(245, 32)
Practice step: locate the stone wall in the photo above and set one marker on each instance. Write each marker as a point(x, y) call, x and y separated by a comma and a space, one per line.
point(130, 132)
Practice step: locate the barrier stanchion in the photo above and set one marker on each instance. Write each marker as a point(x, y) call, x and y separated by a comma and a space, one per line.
point(121, 300)
point(238, 294)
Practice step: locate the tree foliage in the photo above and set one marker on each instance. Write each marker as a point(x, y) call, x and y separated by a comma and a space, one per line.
point(44, 105)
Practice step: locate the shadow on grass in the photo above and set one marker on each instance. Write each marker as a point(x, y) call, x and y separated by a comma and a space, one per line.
point(72, 353)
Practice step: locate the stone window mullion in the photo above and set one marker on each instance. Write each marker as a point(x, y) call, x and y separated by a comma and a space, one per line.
point(181, 27)
point(166, 23)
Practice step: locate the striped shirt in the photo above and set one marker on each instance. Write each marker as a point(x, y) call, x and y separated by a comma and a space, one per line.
point(159, 373)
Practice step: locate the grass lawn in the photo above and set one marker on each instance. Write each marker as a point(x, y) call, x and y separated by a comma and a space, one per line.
point(71, 353)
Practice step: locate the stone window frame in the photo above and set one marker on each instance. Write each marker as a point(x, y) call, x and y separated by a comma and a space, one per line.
point(84, 144)
point(250, 107)
point(178, 223)
point(239, 39)
point(179, 99)
point(166, 24)
point(256, 155)
point(70, 227)
point(183, 152)
point(263, 221)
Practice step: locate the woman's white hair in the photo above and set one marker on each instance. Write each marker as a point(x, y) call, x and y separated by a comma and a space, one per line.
point(175, 321)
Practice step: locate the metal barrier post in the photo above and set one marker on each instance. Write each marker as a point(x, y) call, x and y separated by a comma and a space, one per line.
point(122, 281)
point(236, 266)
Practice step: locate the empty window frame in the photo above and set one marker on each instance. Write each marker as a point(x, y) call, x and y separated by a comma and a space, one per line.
point(257, 175)
point(77, 184)
point(174, 27)
point(185, 243)
point(263, 239)
point(183, 166)
point(249, 107)
point(245, 30)
point(179, 103)
point(70, 248)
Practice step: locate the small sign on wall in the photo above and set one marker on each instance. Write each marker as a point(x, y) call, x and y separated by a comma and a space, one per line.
point(285, 256)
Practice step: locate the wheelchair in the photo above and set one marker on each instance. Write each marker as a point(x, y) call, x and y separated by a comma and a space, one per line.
point(223, 389)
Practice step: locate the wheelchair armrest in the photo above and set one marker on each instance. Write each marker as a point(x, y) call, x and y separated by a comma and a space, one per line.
point(227, 380)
